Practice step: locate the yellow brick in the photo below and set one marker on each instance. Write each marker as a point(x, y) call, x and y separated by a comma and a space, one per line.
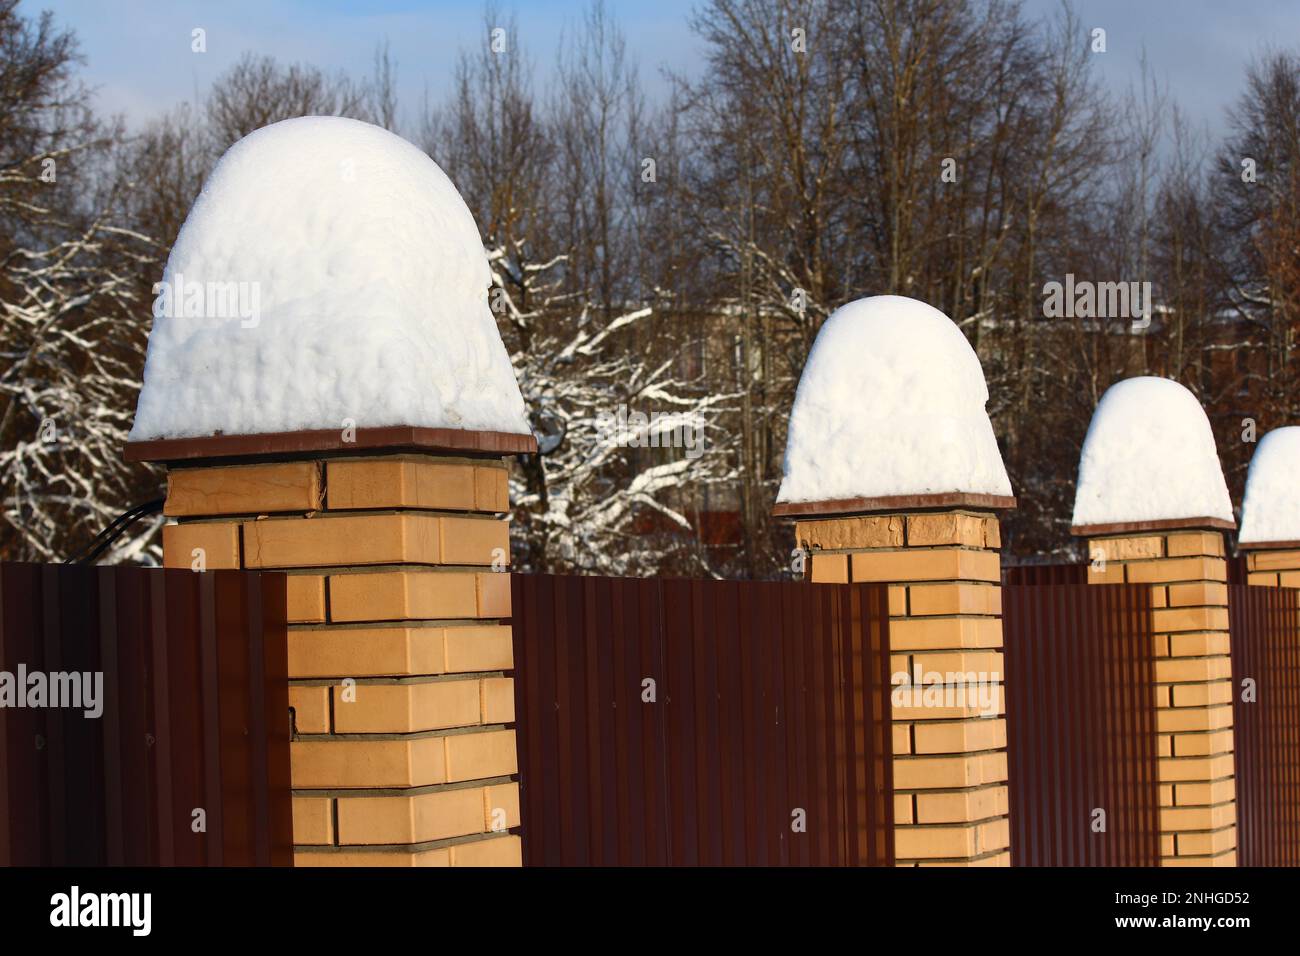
point(962, 806)
point(400, 483)
point(1223, 860)
point(366, 652)
point(313, 821)
point(902, 734)
point(917, 842)
point(345, 764)
point(1280, 560)
point(994, 835)
point(411, 819)
point(1182, 669)
point(829, 569)
point(1204, 794)
point(1200, 593)
point(1108, 574)
point(1203, 744)
point(1198, 645)
point(960, 736)
point(218, 543)
point(939, 564)
point(406, 708)
point(1205, 844)
point(311, 708)
point(497, 851)
point(946, 773)
point(1127, 548)
point(928, 842)
point(1171, 720)
point(493, 589)
point(491, 489)
point(897, 601)
point(500, 806)
point(1289, 579)
point(1176, 569)
point(478, 541)
point(497, 700)
point(479, 648)
point(955, 599)
point(244, 489)
point(1199, 695)
point(985, 663)
point(473, 756)
point(832, 534)
point(951, 528)
point(1198, 818)
point(1263, 579)
point(342, 540)
point(440, 856)
point(305, 595)
point(1185, 544)
point(903, 809)
point(1179, 769)
point(973, 703)
point(402, 595)
point(1190, 619)
point(932, 633)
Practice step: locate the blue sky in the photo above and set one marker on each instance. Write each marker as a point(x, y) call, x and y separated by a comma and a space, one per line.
point(140, 60)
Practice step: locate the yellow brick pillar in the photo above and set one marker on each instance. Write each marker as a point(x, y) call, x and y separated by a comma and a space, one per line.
point(1187, 572)
point(400, 653)
point(945, 605)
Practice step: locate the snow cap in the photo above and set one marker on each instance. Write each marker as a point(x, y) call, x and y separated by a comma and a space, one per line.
point(1149, 456)
point(891, 403)
point(1270, 512)
point(328, 272)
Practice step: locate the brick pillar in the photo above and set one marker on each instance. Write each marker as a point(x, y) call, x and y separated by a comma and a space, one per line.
point(945, 607)
point(399, 655)
point(1188, 576)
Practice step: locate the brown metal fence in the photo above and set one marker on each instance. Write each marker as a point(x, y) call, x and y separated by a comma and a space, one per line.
point(673, 722)
point(1265, 625)
point(1081, 727)
point(195, 717)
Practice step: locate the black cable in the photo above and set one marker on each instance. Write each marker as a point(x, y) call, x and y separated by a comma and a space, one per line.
point(100, 543)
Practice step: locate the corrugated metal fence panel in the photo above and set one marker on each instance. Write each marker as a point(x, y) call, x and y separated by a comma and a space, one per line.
point(675, 722)
point(1081, 729)
point(1265, 625)
point(1045, 574)
point(195, 717)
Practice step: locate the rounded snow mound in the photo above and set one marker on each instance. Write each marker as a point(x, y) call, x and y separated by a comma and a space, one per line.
point(1149, 455)
point(1270, 510)
point(891, 402)
point(328, 273)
